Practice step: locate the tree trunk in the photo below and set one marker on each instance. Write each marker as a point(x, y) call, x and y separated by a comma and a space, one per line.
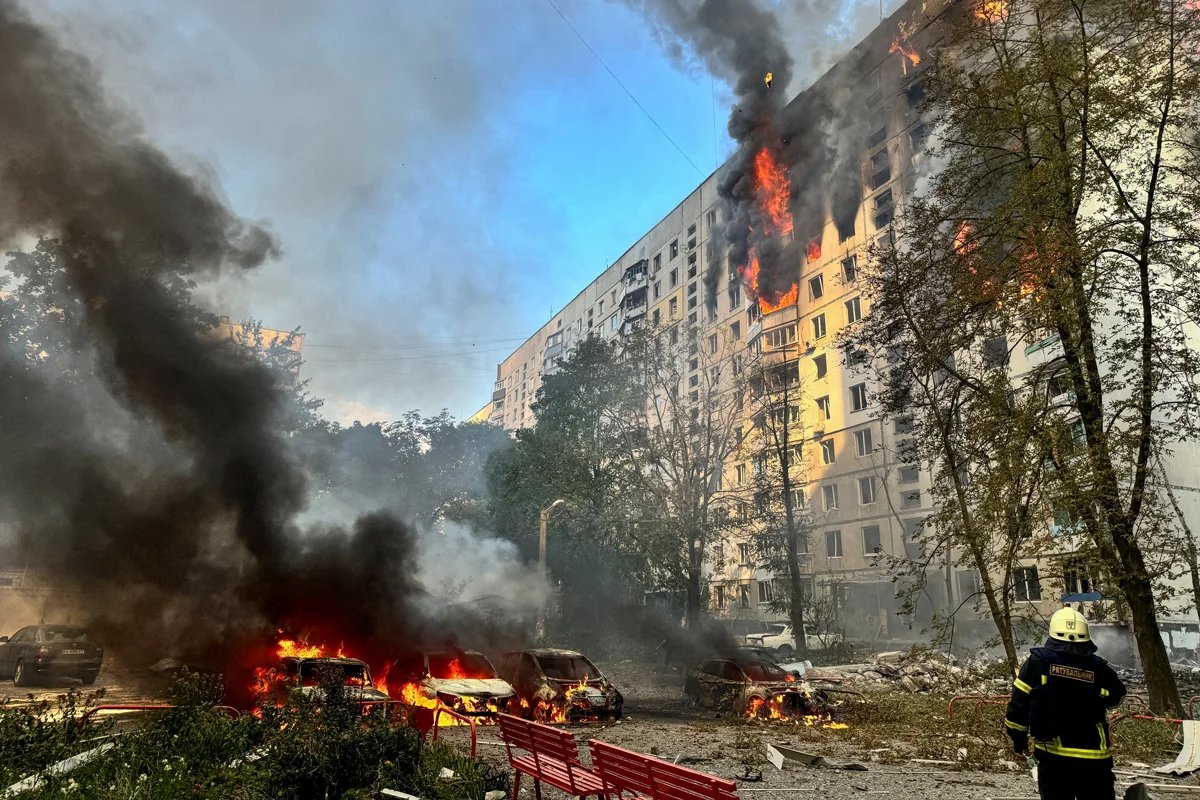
point(1139, 594)
point(692, 611)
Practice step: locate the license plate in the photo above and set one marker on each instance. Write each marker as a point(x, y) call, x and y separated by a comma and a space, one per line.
point(72, 652)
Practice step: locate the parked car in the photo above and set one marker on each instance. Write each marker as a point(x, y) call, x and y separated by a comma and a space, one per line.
point(306, 674)
point(736, 684)
point(44, 651)
point(778, 637)
point(463, 680)
point(560, 686)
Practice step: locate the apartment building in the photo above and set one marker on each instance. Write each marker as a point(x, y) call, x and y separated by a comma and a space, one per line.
point(862, 502)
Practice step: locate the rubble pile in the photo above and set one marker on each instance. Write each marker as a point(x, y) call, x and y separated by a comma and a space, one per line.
point(921, 670)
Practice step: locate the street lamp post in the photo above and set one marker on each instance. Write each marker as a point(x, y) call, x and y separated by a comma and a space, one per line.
point(543, 521)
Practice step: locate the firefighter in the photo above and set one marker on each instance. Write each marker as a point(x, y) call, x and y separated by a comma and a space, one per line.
point(1059, 703)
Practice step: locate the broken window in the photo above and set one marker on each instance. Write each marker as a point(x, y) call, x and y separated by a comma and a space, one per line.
point(911, 499)
point(872, 542)
point(816, 287)
point(1077, 578)
point(657, 289)
point(915, 94)
point(828, 453)
point(858, 397)
point(735, 331)
point(656, 316)
point(765, 595)
point(917, 137)
point(657, 262)
point(824, 409)
point(674, 307)
point(819, 364)
point(850, 268)
point(744, 554)
point(712, 217)
point(743, 595)
point(995, 352)
point(829, 496)
point(877, 138)
point(735, 296)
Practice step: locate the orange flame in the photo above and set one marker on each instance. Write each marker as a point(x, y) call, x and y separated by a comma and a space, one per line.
point(992, 11)
point(749, 274)
point(899, 47)
point(295, 648)
point(774, 708)
point(773, 189)
point(814, 250)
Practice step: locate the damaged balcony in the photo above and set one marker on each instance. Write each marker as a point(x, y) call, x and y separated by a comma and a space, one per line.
point(634, 278)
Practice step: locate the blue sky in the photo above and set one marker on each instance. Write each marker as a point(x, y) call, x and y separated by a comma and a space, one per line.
point(442, 174)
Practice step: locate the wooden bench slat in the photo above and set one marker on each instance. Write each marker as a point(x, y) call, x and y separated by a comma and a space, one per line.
point(551, 756)
point(629, 771)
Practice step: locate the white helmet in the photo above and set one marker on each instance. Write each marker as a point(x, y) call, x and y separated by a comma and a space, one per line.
point(1068, 625)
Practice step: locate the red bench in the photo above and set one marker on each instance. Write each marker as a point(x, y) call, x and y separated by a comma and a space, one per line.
point(551, 755)
point(649, 777)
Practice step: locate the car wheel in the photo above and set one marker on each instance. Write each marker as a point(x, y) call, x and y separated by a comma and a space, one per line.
point(785, 651)
point(88, 678)
point(20, 677)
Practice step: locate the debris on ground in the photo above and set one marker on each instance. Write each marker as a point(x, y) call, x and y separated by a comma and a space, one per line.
point(921, 670)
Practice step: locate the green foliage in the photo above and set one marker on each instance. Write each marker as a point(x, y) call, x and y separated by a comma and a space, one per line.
point(315, 746)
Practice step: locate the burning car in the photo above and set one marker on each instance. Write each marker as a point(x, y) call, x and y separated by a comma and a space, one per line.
point(462, 680)
point(560, 686)
point(306, 674)
point(754, 688)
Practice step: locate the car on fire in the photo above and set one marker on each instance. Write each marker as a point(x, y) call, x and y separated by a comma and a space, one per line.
point(560, 686)
point(741, 684)
point(462, 680)
point(306, 674)
point(43, 651)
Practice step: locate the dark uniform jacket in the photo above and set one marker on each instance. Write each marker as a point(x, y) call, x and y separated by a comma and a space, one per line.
point(1060, 701)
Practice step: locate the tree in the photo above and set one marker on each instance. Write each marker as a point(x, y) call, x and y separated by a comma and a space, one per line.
point(782, 515)
point(1064, 216)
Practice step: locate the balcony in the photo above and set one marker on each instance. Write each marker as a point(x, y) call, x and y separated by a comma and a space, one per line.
point(635, 277)
point(498, 394)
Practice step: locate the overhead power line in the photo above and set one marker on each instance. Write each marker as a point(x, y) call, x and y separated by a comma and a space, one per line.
point(650, 117)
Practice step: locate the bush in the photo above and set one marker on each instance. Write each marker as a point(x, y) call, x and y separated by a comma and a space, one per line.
point(315, 746)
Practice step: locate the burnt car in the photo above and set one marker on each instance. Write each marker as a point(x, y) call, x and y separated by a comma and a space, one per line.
point(462, 680)
point(50, 651)
point(306, 674)
point(560, 686)
point(743, 685)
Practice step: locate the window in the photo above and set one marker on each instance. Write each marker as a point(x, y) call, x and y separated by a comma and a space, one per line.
point(693, 381)
point(743, 595)
point(858, 397)
point(656, 316)
point(1077, 436)
point(657, 262)
point(692, 316)
point(720, 598)
point(833, 544)
point(821, 367)
point(850, 268)
point(780, 337)
point(903, 425)
point(735, 296)
point(712, 217)
point(1026, 585)
point(829, 497)
point(881, 177)
point(657, 289)
point(744, 554)
point(674, 248)
point(674, 332)
point(913, 528)
point(601, 306)
point(871, 540)
point(799, 498)
point(915, 95)
point(853, 310)
point(691, 232)
point(712, 343)
point(692, 303)
point(1077, 577)
point(828, 454)
point(741, 474)
point(995, 352)
point(693, 364)
point(863, 443)
point(613, 322)
point(816, 287)
point(877, 138)
point(735, 331)
point(765, 595)
point(909, 475)
point(691, 245)
point(818, 323)
point(674, 307)
point(692, 266)
point(866, 490)
point(911, 499)
point(674, 278)
point(824, 408)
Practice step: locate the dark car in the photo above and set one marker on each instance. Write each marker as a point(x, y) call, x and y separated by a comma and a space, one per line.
point(742, 685)
point(560, 686)
point(44, 651)
point(307, 673)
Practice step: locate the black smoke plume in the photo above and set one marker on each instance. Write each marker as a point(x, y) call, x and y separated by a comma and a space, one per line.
point(818, 136)
point(167, 496)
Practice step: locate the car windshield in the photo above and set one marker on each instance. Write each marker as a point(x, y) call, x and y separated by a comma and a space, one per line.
point(773, 630)
point(64, 634)
point(460, 665)
point(568, 668)
point(354, 674)
point(762, 671)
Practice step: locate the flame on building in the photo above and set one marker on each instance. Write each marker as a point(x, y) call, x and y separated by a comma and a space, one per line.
point(772, 190)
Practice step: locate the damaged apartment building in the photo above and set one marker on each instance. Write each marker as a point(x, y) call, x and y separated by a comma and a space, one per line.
point(862, 501)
